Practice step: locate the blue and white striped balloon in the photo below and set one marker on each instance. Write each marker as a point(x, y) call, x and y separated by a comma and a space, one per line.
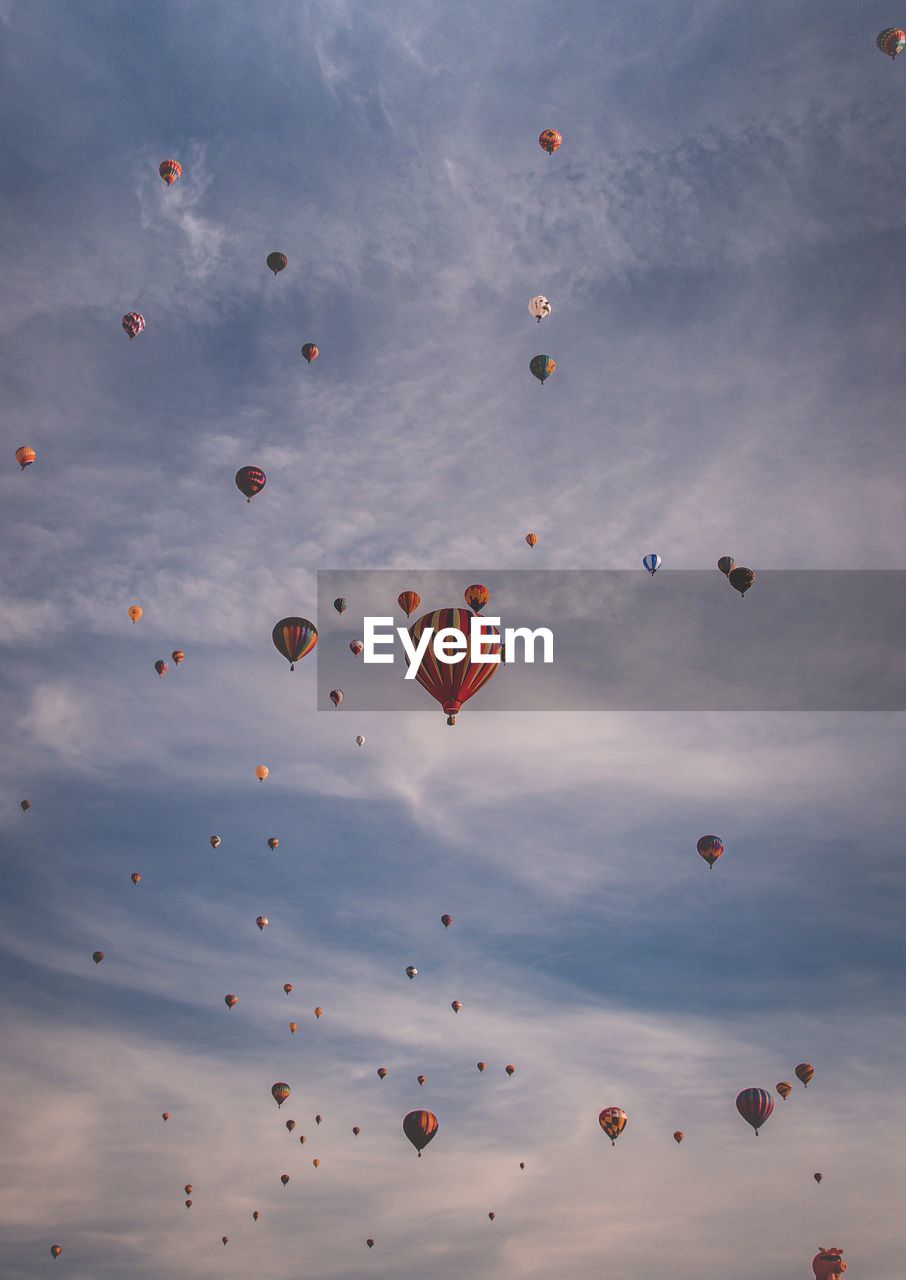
point(652, 563)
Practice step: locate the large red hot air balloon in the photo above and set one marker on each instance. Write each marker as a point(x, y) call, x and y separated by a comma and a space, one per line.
point(755, 1106)
point(452, 684)
point(420, 1127)
point(828, 1262)
point(294, 638)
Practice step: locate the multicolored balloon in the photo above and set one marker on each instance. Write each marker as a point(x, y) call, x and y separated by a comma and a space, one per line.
point(136, 877)
point(341, 604)
point(542, 367)
point(170, 170)
point(133, 324)
point(892, 41)
point(710, 848)
point(25, 456)
point(452, 684)
point(805, 1072)
point(356, 647)
point(161, 668)
point(476, 596)
point(411, 972)
point(231, 1001)
point(178, 656)
point(755, 1106)
point(539, 307)
point(273, 842)
point(613, 1121)
point(262, 922)
point(446, 920)
point(408, 601)
point(550, 140)
point(828, 1262)
point(382, 1073)
point(55, 1251)
point(456, 1005)
point(678, 1136)
point(280, 1092)
point(216, 842)
point(310, 352)
point(784, 1088)
point(420, 1127)
point(294, 638)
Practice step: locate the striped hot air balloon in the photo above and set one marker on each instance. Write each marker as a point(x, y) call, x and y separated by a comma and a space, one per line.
point(280, 1091)
point(25, 456)
point(892, 41)
point(755, 1107)
point(420, 1127)
point(710, 848)
point(249, 481)
point(294, 638)
point(542, 367)
point(310, 352)
point(652, 562)
point(409, 601)
point(170, 170)
point(452, 684)
point(133, 324)
point(277, 262)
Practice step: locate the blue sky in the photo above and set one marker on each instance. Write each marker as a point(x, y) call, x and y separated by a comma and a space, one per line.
point(720, 237)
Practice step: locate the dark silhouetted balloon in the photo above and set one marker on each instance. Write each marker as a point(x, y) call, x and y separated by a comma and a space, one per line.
point(420, 1127)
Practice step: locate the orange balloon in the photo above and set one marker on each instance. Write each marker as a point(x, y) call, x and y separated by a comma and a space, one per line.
point(261, 772)
point(135, 612)
point(408, 601)
point(532, 539)
point(293, 1028)
point(25, 456)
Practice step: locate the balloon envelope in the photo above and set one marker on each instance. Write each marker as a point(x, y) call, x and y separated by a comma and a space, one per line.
point(420, 1127)
point(294, 638)
point(25, 456)
point(652, 562)
point(804, 1072)
point(710, 848)
point(277, 261)
point(542, 367)
point(755, 1107)
point(550, 140)
point(452, 684)
point(280, 1091)
point(613, 1121)
point(741, 579)
point(408, 601)
point(250, 480)
point(170, 170)
point(539, 307)
point(725, 564)
point(310, 352)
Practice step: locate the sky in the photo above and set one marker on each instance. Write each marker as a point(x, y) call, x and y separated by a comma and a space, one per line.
point(720, 237)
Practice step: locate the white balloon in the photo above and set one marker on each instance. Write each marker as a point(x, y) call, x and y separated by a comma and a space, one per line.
point(539, 307)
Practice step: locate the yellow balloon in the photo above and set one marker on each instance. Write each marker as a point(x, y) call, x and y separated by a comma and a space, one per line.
point(135, 612)
point(261, 772)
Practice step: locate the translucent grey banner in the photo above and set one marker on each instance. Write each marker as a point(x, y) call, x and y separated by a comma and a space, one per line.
point(681, 640)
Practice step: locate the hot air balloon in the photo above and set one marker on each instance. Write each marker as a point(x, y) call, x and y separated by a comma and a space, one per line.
point(310, 352)
point(188, 1204)
point(804, 1072)
point(302, 1138)
point(408, 601)
point(255, 1215)
point(550, 140)
point(55, 1251)
point(382, 1072)
point(539, 307)
point(360, 741)
point(476, 596)
point(755, 1106)
point(892, 41)
point(262, 922)
point(521, 1164)
point(420, 1127)
point(482, 1066)
point(284, 1178)
point(188, 1188)
point(784, 1088)
point(492, 1216)
point(446, 920)
point(287, 987)
point(818, 1177)
point(293, 1028)
point(135, 878)
point(411, 972)
point(277, 261)
point(249, 481)
point(532, 539)
point(290, 1125)
point(272, 842)
point(828, 1262)
point(161, 668)
point(652, 562)
point(421, 1080)
point(261, 772)
point(370, 1244)
point(97, 956)
point(613, 1121)
point(133, 324)
point(294, 638)
point(225, 1239)
point(318, 1011)
point(135, 612)
point(456, 1005)
point(25, 456)
point(452, 684)
point(216, 842)
point(710, 848)
point(356, 647)
point(741, 579)
point(510, 1069)
point(25, 805)
point(341, 604)
point(336, 696)
point(170, 170)
point(317, 1119)
point(542, 367)
point(725, 564)
point(165, 1116)
point(280, 1092)
point(231, 1001)
point(178, 656)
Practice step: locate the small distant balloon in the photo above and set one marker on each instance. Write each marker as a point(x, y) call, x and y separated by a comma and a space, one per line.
point(272, 842)
point(261, 772)
point(456, 1005)
point(818, 1176)
point(539, 307)
point(482, 1066)
point(542, 367)
point(805, 1072)
point(133, 324)
point(165, 1116)
point(892, 41)
point(25, 456)
point(25, 805)
point(411, 972)
point(532, 539)
point(178, 656)
point(336, 696)
point(188, 1204)
point(492, 1216)
point(356, 1130)
point(262, 922)
point(249, 481)
point(446, 920)
point(408, 601)
point(255, 1215)
point(784, 1088)
point(317, 1119)
point(284, 1178)
point(216, 842)
point(170, 170)
point(725, 564)
point(510, 1069)
point(188, 1188)
point(382, 1072)
point(310, 352)
point(287, 987)
point(55, 1251)
point(476, 596)
point(360, 740)
point(231, 1001)
point(318, 1011)
point(613, 1121)
point(290, 1125)
point(828, 1262)
point(280, 1092)
point(421, 1080)
point(710, 848)
point(277, 262)
point(316, 1163)
point(652, 562)
point(741, 579)
point(135, 878)
point(356, 646)
point(293, 1028)
point(135, 612)
point(370, 1243)
point(225, 1239)
point(550, 140)
point(341, 604)
point(161, 667)
point(97, 956)
point(678, 1136)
